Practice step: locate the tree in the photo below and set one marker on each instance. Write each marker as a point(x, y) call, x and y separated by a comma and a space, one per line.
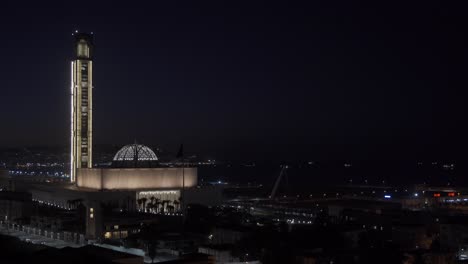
point(170, 208)
point(180, 200)
point(176, 204)
point(165, 203)
point(144, 200)
point(157, 203)
point(140, 202)
point(149, 207)
point(157, 206)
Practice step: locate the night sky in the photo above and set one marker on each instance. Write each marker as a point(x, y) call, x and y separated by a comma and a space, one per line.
point(245, 80)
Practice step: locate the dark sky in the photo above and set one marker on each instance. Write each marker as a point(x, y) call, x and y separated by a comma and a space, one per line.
point(245, 79)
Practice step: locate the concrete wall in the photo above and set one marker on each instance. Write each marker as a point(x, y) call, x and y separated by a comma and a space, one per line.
point(136, 178)
point(89, 178)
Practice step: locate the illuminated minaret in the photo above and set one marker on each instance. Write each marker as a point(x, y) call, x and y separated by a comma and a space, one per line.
point(82, 104)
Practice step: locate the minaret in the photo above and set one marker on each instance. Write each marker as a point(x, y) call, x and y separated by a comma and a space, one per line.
point(82, 104)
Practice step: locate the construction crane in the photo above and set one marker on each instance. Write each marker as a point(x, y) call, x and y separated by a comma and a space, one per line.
point(278, 180)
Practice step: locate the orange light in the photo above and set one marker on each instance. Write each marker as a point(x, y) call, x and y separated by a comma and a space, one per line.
point(451, 194)
point(436, 194)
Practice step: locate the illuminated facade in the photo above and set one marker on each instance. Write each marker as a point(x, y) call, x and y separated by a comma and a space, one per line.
point(81, 104)
point(137, 178)
point(133, 181)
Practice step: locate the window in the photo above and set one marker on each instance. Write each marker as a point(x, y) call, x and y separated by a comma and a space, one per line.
point(82, 49)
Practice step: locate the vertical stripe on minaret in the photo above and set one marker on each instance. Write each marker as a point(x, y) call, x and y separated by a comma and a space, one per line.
point(81, 105)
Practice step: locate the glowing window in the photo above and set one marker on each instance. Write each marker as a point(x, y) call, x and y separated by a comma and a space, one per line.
point(83, 49)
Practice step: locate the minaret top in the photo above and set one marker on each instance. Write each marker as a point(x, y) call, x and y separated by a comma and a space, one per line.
point(83, 45)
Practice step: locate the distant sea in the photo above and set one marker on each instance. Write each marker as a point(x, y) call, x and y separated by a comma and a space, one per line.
point(305, 177)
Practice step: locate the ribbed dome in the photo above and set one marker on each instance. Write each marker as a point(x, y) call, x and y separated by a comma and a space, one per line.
point(135, 152)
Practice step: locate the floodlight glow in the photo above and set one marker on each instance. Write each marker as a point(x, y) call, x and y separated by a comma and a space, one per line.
point(72, 164)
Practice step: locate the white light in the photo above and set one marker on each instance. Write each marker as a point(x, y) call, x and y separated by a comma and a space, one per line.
point(416, 195)
point(72, 164)
point(158, 192)
point(387, 196)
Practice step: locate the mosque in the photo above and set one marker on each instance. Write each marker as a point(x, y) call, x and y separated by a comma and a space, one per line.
point(135, 173)
point(135, 166)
